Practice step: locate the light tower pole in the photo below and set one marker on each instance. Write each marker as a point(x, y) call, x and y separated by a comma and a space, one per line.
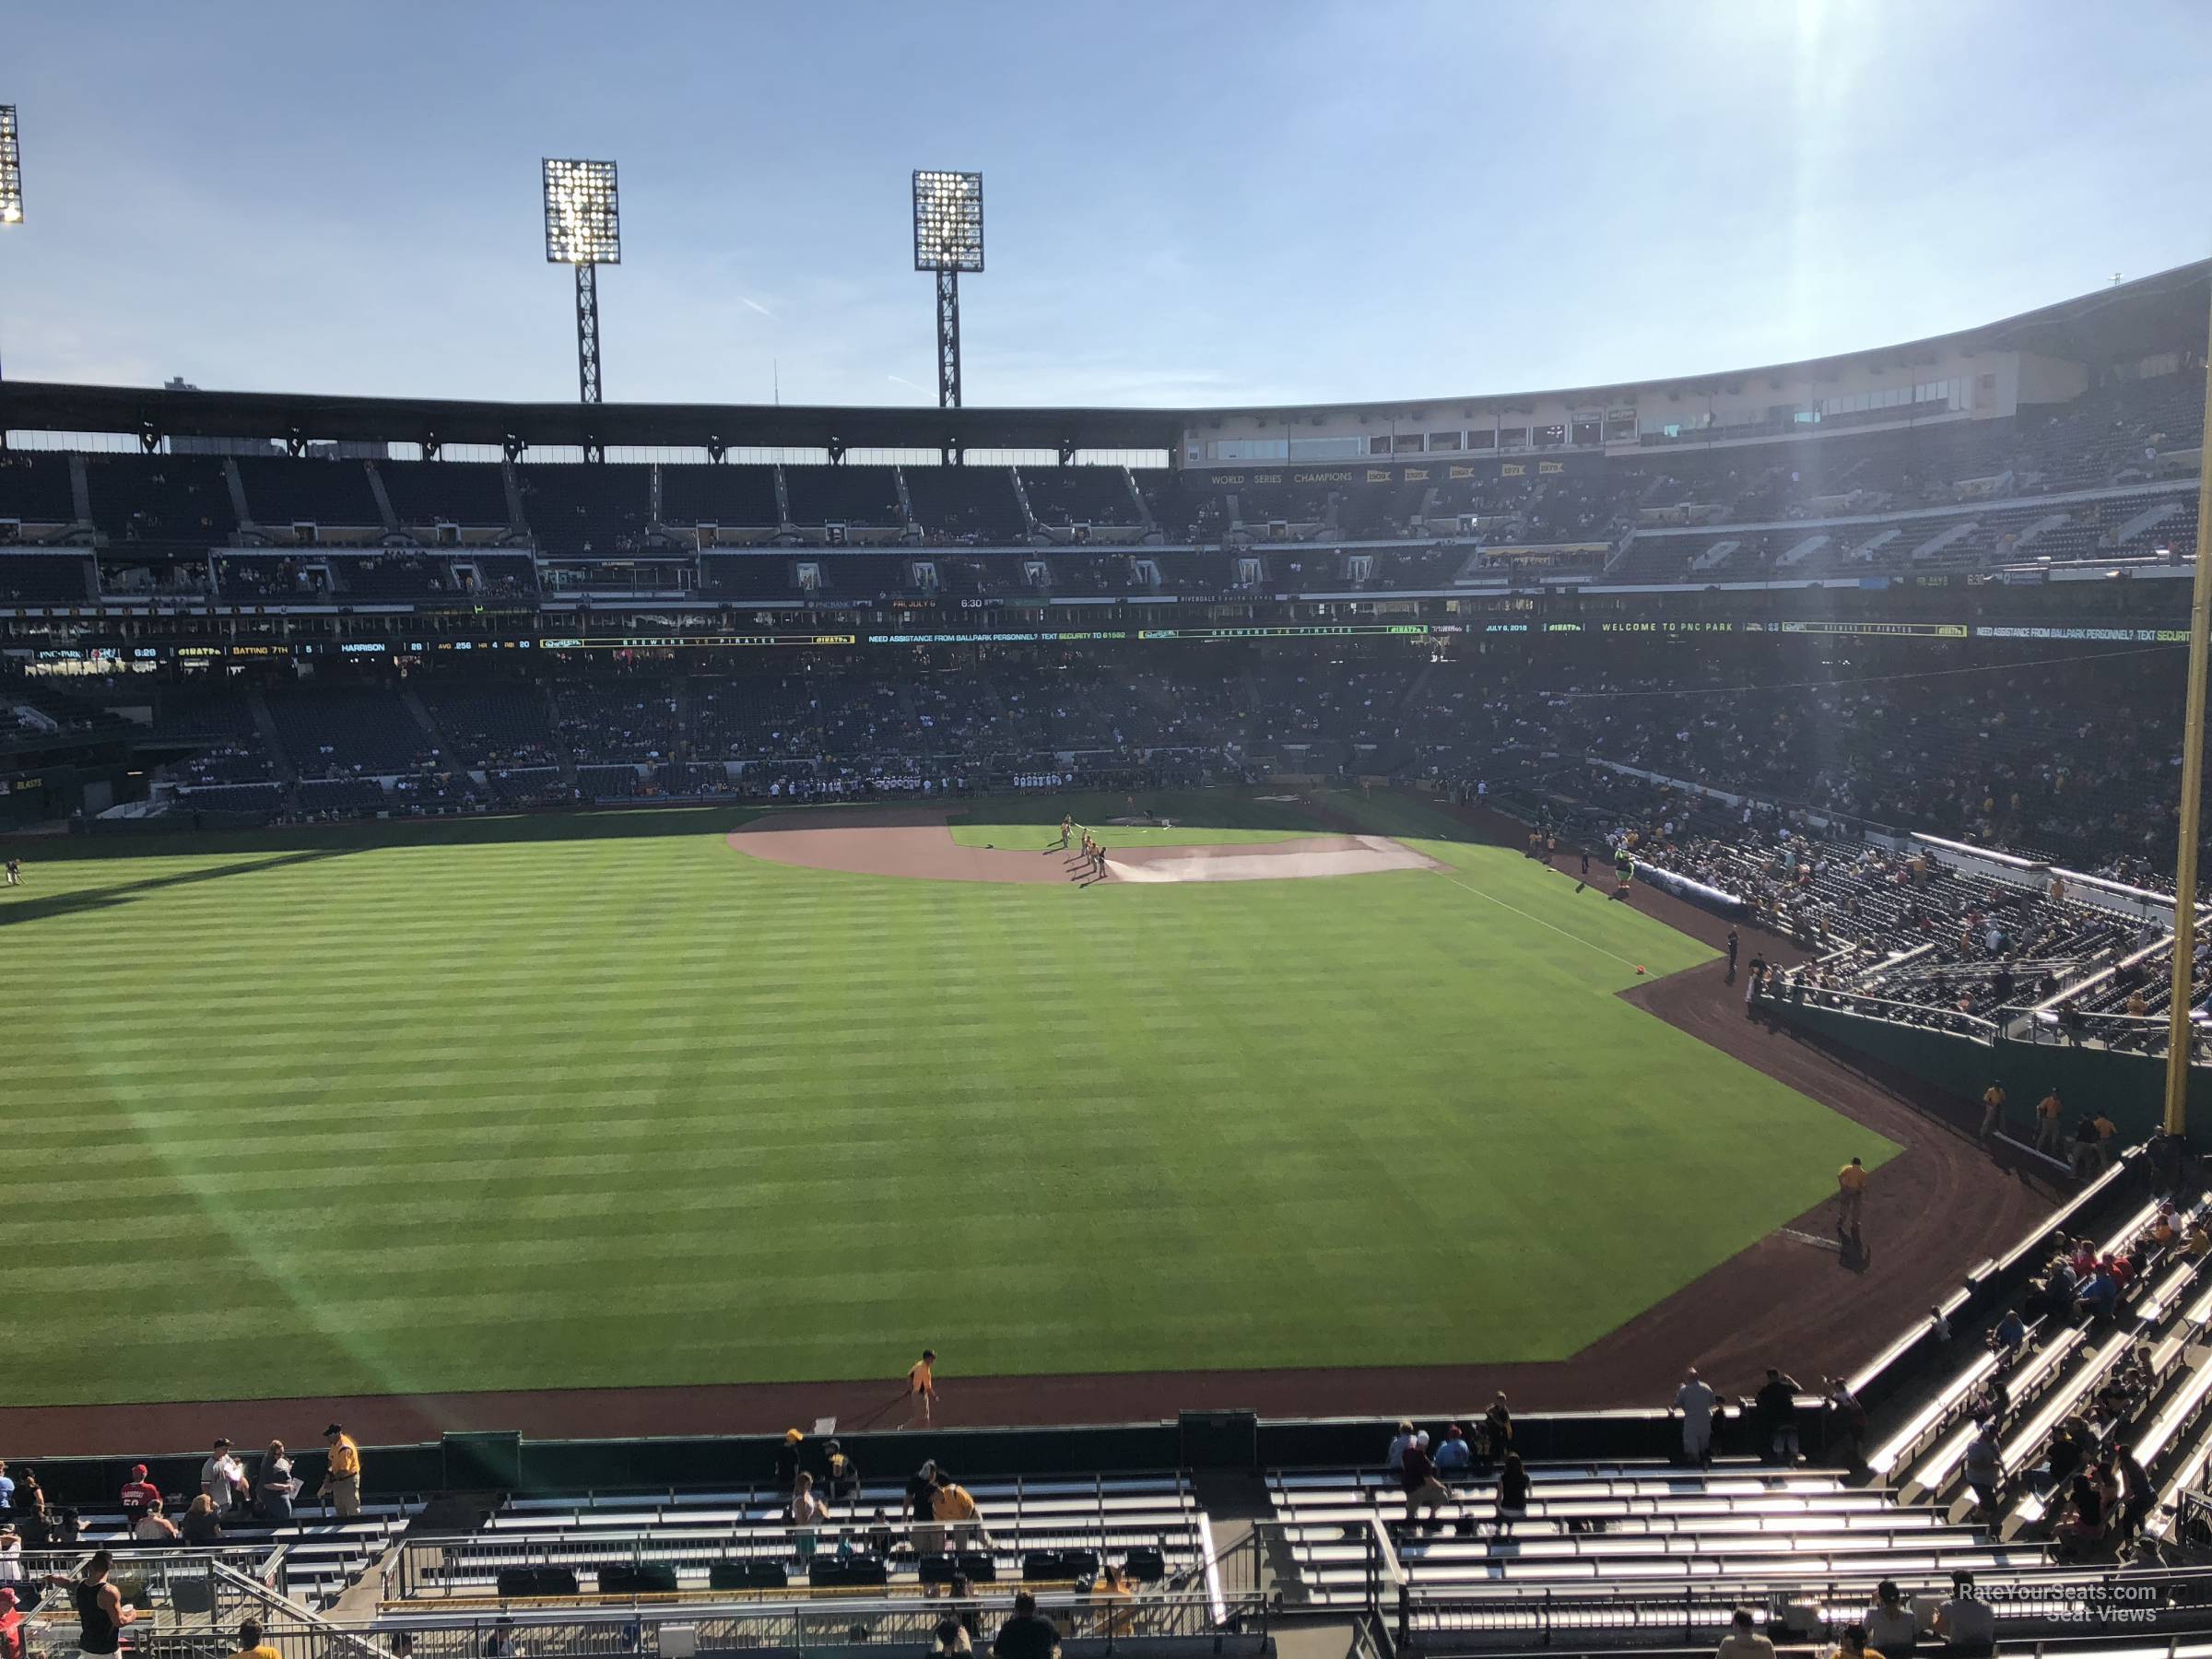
point(583, 228)
point(948, 239)
point(2180, 1033)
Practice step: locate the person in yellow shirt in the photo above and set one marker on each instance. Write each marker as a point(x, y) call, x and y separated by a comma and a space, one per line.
point(1851, 1193)
point(342, 1485)
point(2106, 1130)
point(1111, 1595)
point(1993, 1110)
point(250, 1643)
point(922, 1387)
point(2046, 1123)
point(956, 1512)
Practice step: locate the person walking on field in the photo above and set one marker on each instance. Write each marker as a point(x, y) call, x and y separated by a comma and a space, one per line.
point(1851, 1194)
point(921, 1386)
point(1734, 944)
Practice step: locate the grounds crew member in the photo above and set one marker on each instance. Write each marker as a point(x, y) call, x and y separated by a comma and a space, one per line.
point(342, 1484)
point(1851, 1194)
point(2046, 1123)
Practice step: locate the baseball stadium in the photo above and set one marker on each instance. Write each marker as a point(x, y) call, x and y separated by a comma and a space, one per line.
point(1528, 1021)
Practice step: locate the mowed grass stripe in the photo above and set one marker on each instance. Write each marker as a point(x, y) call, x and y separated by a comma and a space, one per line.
point(620, 1107)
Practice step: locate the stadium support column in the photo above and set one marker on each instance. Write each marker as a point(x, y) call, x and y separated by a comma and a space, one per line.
point(587, 333)
point(2178, 1032)
point(949, 339)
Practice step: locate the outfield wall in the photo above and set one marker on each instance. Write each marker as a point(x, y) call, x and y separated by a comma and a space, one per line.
point(508, 1463)
point(2128, 1089)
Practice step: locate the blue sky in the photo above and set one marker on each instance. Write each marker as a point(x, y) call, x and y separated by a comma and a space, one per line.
point(1195, 203)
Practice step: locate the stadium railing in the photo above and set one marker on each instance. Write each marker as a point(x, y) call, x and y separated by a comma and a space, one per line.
point(471, 1569)
point(1892, 1376)
point(190, 1602)
point(1163, 1624)
point(2040, 1365)
point(150, 1577)
point(2032, 1605)
point(1924, 1015)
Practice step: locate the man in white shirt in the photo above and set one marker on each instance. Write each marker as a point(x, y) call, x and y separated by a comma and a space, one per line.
point(154, 1527)
point(1967, 1624)
point(1397, 1447)
point(1744, 1643)
point(223, 1478)
point(1891, 1626)
point(1695, 1400)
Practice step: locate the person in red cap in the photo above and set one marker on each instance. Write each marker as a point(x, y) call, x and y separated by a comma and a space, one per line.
point(138, 1495)
point(11, 1624)
point(1454, 1456)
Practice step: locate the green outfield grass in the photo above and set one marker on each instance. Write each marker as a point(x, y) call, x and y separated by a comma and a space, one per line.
point(1213, 818)
point(601, 1100)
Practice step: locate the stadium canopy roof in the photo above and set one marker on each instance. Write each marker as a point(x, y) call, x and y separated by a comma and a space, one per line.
point(28, 406)
point(2161, 312)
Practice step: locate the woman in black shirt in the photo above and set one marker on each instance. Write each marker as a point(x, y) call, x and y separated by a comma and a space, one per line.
point(1513, 1490)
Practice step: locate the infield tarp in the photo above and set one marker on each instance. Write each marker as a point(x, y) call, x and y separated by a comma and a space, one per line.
point(1697, 892)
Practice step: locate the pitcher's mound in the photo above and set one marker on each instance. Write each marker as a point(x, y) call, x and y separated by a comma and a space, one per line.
point(1269, 861)
point(887, 841)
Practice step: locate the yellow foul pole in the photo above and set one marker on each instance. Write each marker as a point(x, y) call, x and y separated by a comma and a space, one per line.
point(2193, 790)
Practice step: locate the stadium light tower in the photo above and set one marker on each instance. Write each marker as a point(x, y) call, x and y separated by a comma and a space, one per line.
point(583, 228)
point(11, 170)
point(948, 239)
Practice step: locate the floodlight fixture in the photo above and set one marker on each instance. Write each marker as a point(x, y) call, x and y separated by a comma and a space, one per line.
point(583, 228)
point(948, 221)
point(583, 213)
point(948, 239)
point(11, 169)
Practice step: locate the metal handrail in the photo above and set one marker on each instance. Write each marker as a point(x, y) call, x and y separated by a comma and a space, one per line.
point(1875, 1008)
point(278, 1611)
point(417, 1567)
point(589, 1632)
